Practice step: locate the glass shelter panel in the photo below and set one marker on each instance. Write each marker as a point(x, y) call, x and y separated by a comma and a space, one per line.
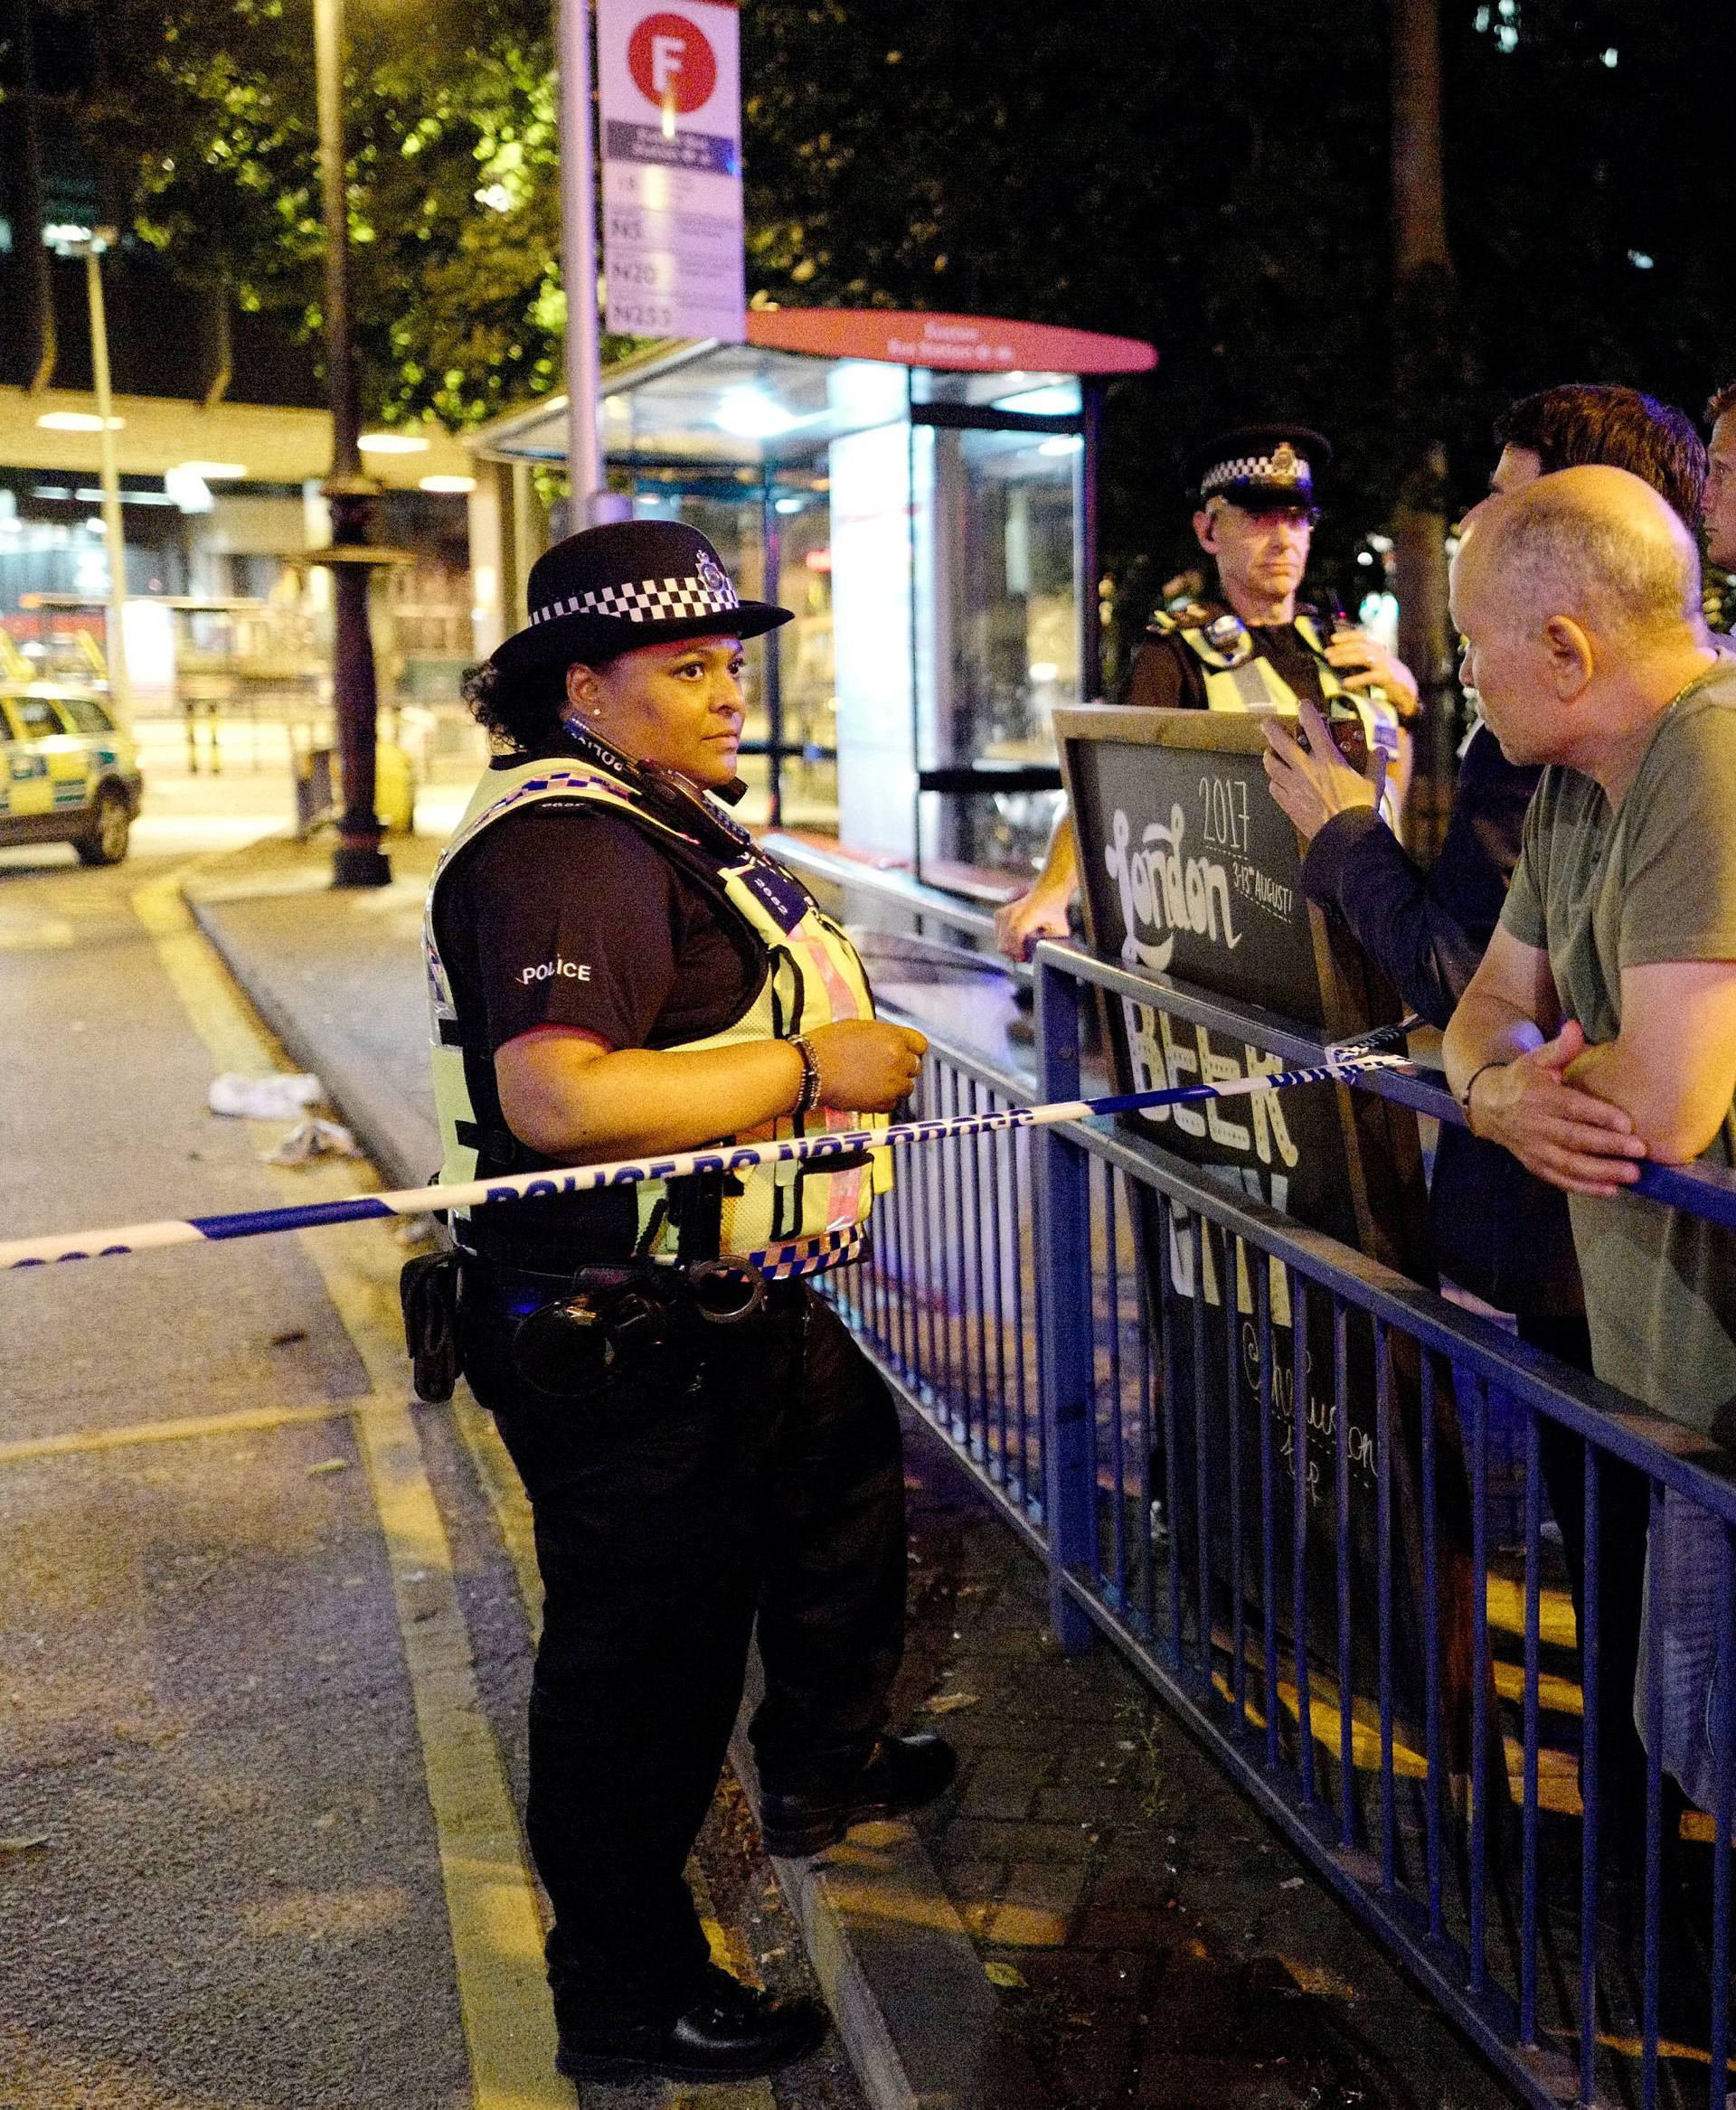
point(728, 508)
point(999, 622)
point(799, 538)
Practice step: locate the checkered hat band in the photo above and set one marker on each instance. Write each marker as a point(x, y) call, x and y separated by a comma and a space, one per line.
point(646, 600)
point(1257, 468)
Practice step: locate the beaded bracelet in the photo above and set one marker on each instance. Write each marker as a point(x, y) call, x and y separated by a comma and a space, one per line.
point(810, 1094)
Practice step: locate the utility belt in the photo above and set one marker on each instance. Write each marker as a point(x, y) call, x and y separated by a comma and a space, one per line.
point(571, 1330)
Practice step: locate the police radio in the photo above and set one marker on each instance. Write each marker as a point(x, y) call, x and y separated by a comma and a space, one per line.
point(668, 794)
point(1348, 728)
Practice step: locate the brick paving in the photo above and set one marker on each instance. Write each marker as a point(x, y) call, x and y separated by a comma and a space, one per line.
point(1153, 1941)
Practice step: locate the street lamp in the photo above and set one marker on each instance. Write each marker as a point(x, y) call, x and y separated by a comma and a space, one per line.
point(358, 860)
point(89, 243)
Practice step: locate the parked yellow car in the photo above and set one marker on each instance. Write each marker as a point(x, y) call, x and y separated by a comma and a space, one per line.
point(67, 773)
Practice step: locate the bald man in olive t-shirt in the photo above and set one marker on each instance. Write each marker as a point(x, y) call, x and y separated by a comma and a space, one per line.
point(1601, 890)
point(1601, 1027)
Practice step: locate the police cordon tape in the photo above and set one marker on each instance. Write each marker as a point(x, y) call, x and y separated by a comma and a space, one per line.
point(1341, 1063)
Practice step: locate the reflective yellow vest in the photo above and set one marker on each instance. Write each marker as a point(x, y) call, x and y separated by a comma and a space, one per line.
point(781, 1219)
point(1254, 684)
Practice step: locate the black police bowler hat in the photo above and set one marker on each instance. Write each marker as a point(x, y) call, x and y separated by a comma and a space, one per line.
point(611, 589)
point(1260, 465)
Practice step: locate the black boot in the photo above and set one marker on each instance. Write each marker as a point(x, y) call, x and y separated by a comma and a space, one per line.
point(903, 1773)
point(725, 2032)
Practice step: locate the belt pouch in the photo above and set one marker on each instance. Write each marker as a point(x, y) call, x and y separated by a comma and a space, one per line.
point(427, 1291)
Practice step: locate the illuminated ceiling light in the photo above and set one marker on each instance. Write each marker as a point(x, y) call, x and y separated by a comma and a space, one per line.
point(1612, 57)
point(76, 421)
point(1058, 398)
point(214, 472)
point(92, 494)
point(188, 489)
point(1062, 443)
point(789, 505)
point(1640, 260)
point(95, 525)
point(392, 443)
point(750, 414)
point(457, 485)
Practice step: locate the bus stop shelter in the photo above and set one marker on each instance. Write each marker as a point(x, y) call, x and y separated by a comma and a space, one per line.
point(920, 490)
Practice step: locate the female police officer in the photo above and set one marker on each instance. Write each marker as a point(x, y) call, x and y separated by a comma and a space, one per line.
point(616, 970)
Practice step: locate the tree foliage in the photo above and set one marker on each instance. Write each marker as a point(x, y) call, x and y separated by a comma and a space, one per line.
point(1211, 176)
point(452, 171)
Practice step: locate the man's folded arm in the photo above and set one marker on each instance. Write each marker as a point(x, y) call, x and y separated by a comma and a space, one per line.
point(1507, 1050)
point(1508, 1009)
point(1673, 1066)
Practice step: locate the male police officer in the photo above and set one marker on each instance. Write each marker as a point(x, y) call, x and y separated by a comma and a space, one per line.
point(1254, 649)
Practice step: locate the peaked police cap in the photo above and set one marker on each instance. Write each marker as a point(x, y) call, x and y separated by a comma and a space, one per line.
point(1260, 465)
point(611, 589)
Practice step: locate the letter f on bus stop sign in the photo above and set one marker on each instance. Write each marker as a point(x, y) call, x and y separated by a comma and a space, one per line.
point(666, 53)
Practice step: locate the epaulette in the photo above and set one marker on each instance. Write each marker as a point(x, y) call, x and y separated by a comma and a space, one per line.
point(1165, 622)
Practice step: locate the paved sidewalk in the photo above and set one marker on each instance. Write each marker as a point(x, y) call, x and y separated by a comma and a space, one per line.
point(1093, 1916)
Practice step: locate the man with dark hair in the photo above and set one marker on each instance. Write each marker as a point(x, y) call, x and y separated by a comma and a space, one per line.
point(1720, 502)
point(1498, 1232)
point(1585, 424)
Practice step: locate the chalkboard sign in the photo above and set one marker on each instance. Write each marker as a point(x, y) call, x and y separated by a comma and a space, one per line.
point(1190, 873)
point(1190, 869)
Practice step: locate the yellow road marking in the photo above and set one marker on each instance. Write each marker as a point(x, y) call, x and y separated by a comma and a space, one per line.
point(490, 1905)
point(25, 933)
point(1507, 1602)
point(500, 1483)
point(220, 1014)
point(512, 1508)
point(243, 1421)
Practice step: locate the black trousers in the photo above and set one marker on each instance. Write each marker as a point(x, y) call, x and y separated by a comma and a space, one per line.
point(1623, 1518)
point(757, 1475)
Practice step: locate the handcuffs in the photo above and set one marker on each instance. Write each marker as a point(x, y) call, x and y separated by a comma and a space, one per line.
point(619, 1317)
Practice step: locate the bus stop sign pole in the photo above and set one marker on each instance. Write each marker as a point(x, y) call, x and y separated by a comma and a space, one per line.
point(592, 502)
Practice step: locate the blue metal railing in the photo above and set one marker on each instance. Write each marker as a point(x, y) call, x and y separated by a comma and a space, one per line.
point(1099, 1328)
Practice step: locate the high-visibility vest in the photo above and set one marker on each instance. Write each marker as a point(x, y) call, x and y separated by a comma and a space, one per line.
point(781, 1219)
point(1252, 682)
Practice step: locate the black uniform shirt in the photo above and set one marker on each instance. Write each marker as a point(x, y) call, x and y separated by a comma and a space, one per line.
point(569, 916)
point(566, 915)
point(1168, 675)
